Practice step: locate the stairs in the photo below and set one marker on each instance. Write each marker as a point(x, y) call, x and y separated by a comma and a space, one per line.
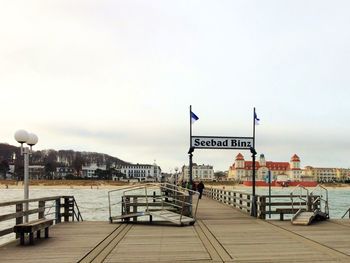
point(303, 218)
point(174, 217)
point(315, 207)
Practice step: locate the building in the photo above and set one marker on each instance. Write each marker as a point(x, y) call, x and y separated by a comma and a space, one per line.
point(199, 172)
point(63, 171)
point(89, 171)
point(140, 172)
point(242, 170)
point(325, 175)
point(36, 171)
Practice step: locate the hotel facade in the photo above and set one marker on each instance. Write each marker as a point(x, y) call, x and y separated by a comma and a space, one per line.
point(242, 170)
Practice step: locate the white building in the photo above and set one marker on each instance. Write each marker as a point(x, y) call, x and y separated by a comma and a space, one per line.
point(63, 171)
point(89, 171)
point(141, 172)
point(242, 170)
point(199, 172)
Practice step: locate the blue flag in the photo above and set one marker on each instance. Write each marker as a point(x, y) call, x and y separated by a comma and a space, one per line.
point(194, 117)
point(256, 119)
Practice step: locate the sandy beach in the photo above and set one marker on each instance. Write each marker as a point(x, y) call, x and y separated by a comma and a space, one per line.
point(100, 184)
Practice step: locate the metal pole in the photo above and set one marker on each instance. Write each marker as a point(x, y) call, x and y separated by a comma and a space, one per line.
point(190, 171)
point(253, 190)
point(269, 174)
point(26, 180)
point(190, 164)
point(253, 207)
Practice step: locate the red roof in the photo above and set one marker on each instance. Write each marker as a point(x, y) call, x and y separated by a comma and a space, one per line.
point(295, 158)
point(239, 157)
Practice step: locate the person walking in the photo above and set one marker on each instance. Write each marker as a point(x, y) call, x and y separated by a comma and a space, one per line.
point(200, 188)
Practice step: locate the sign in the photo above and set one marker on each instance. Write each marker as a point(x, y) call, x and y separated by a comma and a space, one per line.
point(213, 142)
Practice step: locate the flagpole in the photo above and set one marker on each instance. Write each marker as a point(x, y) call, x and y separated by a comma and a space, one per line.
point(190, 150)
point(254, 128)
point(253, 206)
point(254, 114)
point(190, 127)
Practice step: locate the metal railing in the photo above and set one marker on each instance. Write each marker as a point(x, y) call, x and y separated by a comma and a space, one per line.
point(159, 196)
point(347, 212)
point(56, 207)
point(302, 198)
point(319, 199)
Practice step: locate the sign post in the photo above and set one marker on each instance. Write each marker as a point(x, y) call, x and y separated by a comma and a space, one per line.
point(216, 142)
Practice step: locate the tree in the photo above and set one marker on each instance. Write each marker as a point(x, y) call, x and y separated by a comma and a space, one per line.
point(4, 168)
point(78, 162)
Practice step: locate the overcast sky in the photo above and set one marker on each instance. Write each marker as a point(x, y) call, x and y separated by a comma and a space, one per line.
point(117, 77)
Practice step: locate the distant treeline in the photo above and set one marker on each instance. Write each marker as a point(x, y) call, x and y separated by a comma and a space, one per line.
point(52, 159)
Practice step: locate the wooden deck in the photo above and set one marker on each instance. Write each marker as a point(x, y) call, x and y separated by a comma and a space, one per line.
point(221, 234)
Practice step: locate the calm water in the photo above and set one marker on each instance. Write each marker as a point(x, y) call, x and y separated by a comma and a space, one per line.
point(93, 203)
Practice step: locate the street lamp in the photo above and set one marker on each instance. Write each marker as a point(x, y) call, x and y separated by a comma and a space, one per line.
point(253, 211)
point(22, 136)
point(176, 174)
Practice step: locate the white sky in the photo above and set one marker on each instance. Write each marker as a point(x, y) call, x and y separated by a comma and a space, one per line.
point(118, 77)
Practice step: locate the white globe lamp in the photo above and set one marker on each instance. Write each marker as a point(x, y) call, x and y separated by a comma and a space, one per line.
point(32, 139)
point(21, 136)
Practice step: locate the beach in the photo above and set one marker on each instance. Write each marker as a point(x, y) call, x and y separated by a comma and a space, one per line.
point(108, 184)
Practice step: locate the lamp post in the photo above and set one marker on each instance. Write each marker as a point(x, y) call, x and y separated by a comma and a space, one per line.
point(30, 139)
point(176, 174)
point(253, 211)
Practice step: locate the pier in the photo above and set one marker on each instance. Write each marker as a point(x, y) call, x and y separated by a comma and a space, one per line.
point(221, 233)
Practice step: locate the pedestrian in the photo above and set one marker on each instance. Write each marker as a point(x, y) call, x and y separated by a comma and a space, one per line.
point(200, 188)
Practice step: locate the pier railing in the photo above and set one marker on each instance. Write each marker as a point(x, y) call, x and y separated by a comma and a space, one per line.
point(59, 208)
point(238, 199)
point(266, 205)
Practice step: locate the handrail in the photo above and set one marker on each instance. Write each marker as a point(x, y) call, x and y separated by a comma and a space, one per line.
point(41, 210)
point(300, 196)
point(347, 212)
point(79, 214)
point(177, 194)
point(117, 190)
point(320, 198)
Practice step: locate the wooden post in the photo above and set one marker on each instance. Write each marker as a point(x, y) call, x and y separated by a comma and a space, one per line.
point(66, 209)
point(71, 207)
point(19, 220)
point(58, 210)
point(309, 203)
point(134, 208)
point(41, 207)
point(127, 207)
point(240, 201)
point(262, 207)
point(249, 204)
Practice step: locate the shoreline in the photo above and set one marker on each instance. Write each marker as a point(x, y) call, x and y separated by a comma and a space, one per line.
point(94, 184)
